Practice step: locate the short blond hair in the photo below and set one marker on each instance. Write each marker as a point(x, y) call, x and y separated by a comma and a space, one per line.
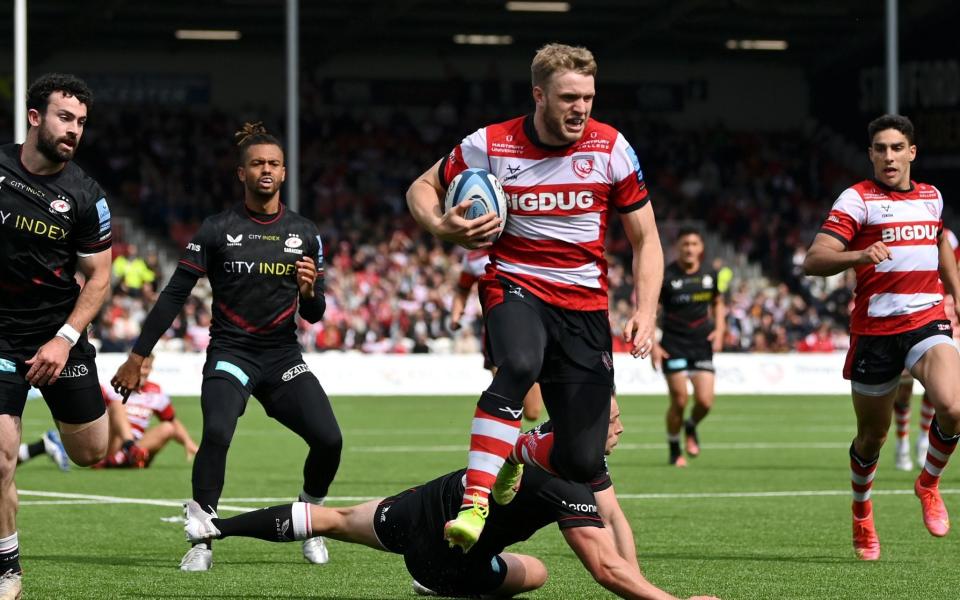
point(555, 58)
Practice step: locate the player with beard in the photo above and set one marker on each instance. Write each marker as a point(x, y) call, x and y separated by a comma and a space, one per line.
point(54, 222)
point(264, 263)
point(544, 295)
point(685, 352)
point(410, 523)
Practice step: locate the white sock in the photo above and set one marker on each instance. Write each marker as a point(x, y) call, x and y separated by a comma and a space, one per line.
point(24, 454)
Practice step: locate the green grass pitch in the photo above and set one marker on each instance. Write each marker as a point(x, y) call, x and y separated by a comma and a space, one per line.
point(764, 512)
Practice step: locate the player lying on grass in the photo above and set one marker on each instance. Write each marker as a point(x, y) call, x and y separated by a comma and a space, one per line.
point(133, 443)
point(410, 523)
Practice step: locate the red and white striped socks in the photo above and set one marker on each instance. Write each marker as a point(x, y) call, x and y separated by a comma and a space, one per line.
point(926, 416)
point(491, 440)
point(862, 472)
point(941, 447)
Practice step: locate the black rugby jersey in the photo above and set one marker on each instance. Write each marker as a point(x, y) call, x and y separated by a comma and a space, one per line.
point(686, 299)
point(542, 499)
point(250, 260)
point(46, 221)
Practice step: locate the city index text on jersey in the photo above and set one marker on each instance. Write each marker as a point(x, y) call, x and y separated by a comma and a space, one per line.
point(34, 226)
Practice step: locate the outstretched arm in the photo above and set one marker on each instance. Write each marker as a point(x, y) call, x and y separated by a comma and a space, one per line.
point(161, 316)
point(616, 523)
point(594, 547)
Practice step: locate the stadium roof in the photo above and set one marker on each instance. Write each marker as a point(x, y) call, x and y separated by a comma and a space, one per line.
point(818, 32)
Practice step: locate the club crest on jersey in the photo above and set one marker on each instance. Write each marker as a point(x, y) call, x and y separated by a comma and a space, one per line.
point(61, 206)
point(293, 244)
point(932, 208)
point(234, 240)
point(583, 166)
point(707, 281)
point(676, 283)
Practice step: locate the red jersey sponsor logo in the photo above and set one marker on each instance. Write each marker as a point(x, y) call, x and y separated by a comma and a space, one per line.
point(545, 201)
point(908, 232)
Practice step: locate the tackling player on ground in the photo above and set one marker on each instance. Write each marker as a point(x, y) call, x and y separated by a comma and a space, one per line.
point(411, 523)
point(264, 264)
point(889, 230)
point(685, 352)
point(54, 221)
point(544, 295)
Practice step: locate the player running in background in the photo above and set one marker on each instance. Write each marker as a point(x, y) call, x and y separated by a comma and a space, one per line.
point(264, 264)
point(54, 221)
point(133, 443)
point(411, 523)
point(901, 412)
point(471, 269)
point(691, 334)
point(889, 230)
point(544, 295)
point(901, 405)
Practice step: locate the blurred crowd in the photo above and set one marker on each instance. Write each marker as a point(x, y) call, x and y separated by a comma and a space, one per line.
point(389, 285)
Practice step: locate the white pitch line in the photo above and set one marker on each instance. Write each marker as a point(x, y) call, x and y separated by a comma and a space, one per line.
point(97, 499)
point(122, 500)
point(645, 446)
point(779, 494)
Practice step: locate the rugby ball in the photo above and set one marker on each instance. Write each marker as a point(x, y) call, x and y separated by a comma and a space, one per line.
point(484, 189)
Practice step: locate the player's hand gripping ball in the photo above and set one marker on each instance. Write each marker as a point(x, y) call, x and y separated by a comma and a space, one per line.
point(485, 192)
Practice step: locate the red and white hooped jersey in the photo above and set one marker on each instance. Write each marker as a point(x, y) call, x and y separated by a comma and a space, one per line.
point(558, 200)
point(903, 292)
point(472, 268)
point(142, 405)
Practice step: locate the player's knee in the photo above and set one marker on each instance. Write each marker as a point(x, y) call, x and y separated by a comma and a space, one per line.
point(217, 433)
point(86, 454)
point(536, 574)
point(326, 440)
point(8, 465)
point(521, 366)
point(165, 430)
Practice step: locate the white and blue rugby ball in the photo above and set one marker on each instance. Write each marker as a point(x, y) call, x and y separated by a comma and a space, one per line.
point(484, 189)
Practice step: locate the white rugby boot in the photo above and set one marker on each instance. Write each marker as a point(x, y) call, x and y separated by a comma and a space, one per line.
point(11, 586)
point(198, 523)
point(315, 550)
point(902, 456)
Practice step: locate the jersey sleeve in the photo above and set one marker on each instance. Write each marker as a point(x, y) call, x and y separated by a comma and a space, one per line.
point(940, 227)
point(93, 229)
point(570, 504)
point(165, 411)
point(629, 189)
point(471, 153)
point(601, 480)
point(199, 249)
point(847, 216)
